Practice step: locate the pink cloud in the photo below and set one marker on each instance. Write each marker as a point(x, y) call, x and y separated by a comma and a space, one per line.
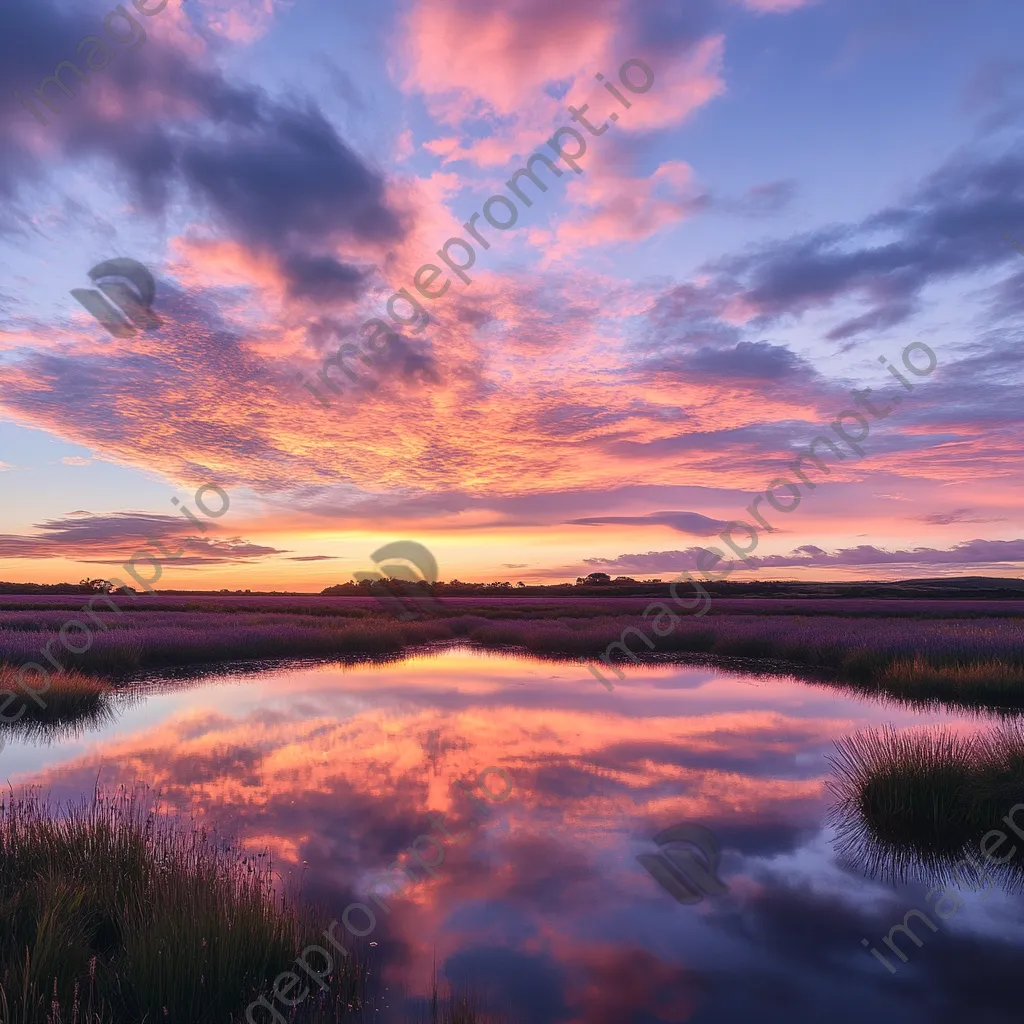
point(503, 67)
point(680, 87)
point(775, 6)
point(404, 146)
point(618, 208)
point(240, 21)
point(502, 56)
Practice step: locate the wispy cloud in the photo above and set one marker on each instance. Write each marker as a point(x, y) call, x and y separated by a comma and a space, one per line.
point(111, 538)
point(684, 522)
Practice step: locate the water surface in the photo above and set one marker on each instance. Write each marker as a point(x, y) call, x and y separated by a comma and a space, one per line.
point(542, 904)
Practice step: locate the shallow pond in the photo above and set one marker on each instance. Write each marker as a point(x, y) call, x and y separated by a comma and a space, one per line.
point(542, 904)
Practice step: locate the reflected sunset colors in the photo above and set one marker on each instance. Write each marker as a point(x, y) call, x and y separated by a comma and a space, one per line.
point(337, 769)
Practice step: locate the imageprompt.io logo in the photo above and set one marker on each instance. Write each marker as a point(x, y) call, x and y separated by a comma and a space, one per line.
point(413, 600)
point(687, 865)
point(120, 306)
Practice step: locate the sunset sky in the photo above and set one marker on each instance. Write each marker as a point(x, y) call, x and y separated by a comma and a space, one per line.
point(805, 188)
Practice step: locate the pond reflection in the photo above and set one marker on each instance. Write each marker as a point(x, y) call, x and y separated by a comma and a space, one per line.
point(543, 905)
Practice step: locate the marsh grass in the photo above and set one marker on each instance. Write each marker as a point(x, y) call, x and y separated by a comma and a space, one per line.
point(991, 682)
point(975, 662)
point(113, 913)
point(923, 797)
point(454, 1008)
point(457, 1004)
point(71, 697)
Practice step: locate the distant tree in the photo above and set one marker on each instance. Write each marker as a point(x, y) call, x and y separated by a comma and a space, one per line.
point(598, 577)
point(97, 585)
point(580, 581)
point(520, 584)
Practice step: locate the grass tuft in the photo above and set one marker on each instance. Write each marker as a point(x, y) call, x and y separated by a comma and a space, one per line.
point(114, 914)
point(71, 696)
point(923, 796)
point(992, 682)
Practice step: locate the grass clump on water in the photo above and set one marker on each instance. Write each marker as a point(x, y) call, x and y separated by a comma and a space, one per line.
point(991, 682)
point(115, 914)
point(928, 794)
point(71, 696)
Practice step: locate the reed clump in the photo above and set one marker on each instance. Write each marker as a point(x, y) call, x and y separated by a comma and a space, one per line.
point(458, 1004)
point(990, 682)
point(72, 696)
point(926, 792)
point(115, 914)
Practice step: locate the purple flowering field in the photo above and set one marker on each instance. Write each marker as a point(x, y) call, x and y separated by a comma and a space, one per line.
point(851, 636)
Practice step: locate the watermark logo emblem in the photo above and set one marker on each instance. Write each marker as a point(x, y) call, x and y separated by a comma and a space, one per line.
point(687, 865)
point(121, 306)
point(421, 567)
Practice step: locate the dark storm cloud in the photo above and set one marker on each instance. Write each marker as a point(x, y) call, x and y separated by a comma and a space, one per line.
point(408, 359)
point(322, 278)
point(951, 224)
point(31, 45)
point(747, 360)
point(284, 177)
point(275, 176)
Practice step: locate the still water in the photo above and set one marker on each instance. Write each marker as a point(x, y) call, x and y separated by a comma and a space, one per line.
point(541, 903)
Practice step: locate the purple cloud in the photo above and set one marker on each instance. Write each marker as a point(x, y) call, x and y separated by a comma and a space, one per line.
point(684, 522)
point(972, 552)
point(86, 537)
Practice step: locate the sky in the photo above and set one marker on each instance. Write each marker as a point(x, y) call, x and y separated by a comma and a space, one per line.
point(753, 211)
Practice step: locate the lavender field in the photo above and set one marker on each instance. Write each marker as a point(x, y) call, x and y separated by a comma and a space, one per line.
point(528, 607)
point(961, 650)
